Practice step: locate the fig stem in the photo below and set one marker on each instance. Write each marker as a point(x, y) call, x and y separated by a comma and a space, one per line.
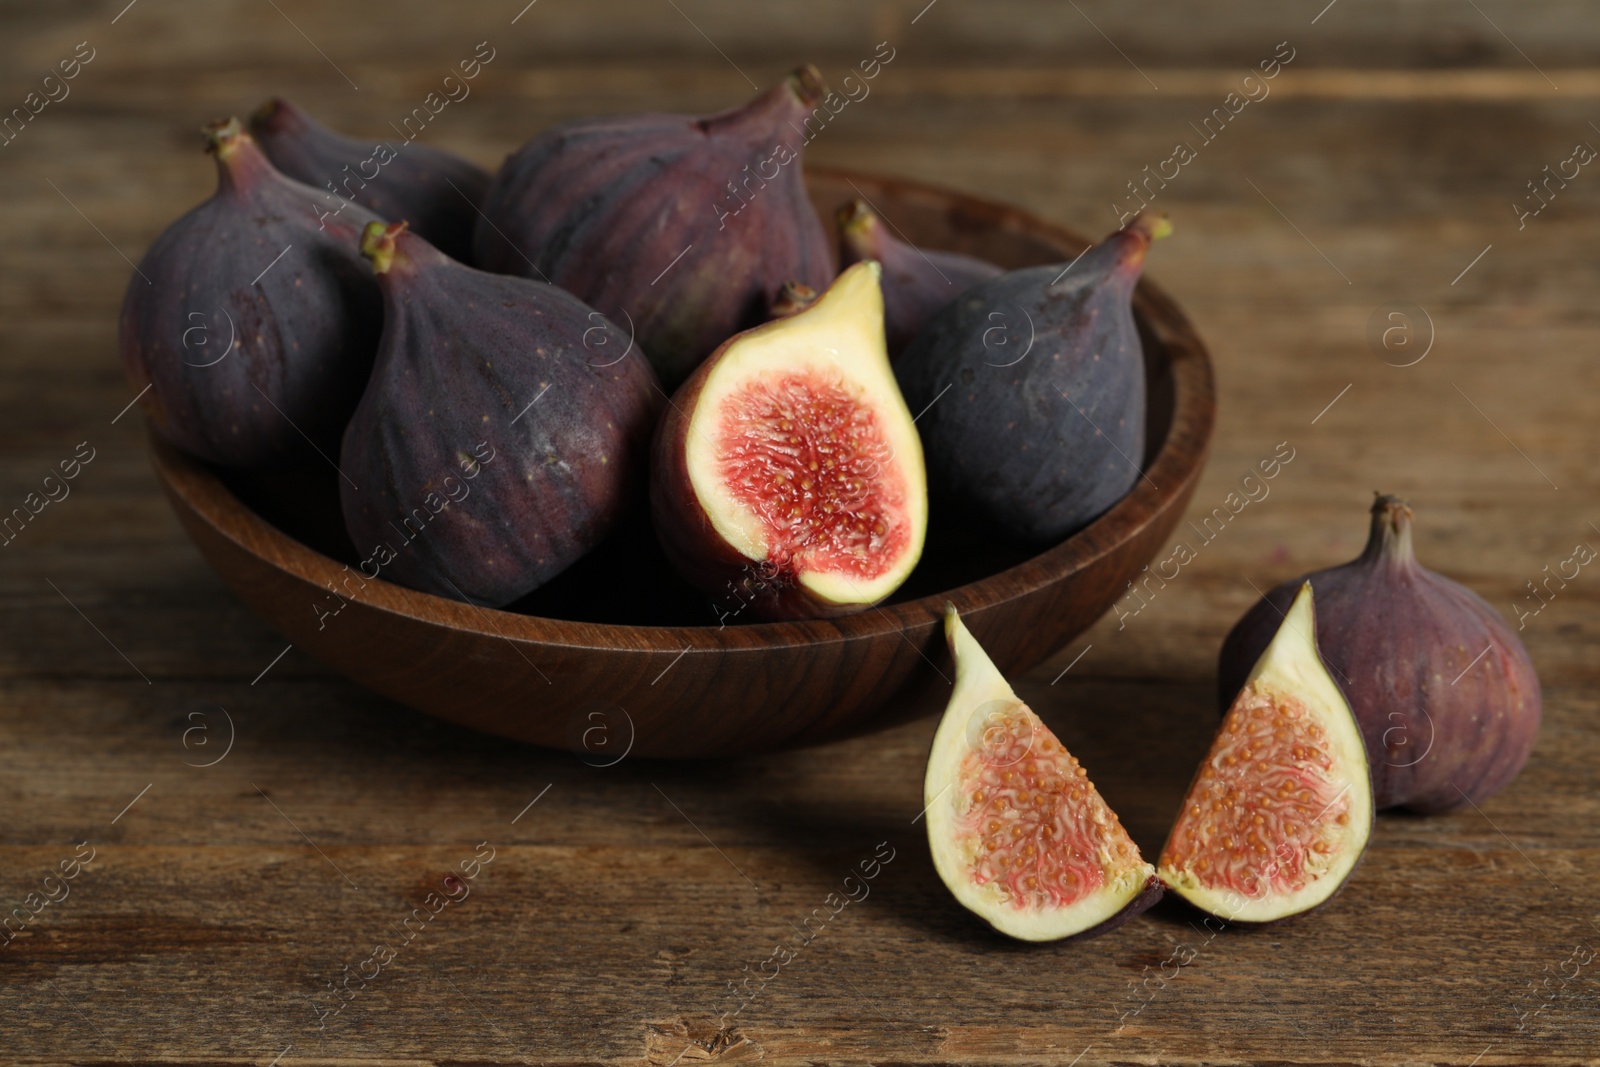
point(240, 160)
point(791, 299)
point(1390, 538)
point(1126, 247)
point(789, 101)
point(807, 85)
point(223, 137)
point(377, 244)
point(856, 217)
point(1153, 225)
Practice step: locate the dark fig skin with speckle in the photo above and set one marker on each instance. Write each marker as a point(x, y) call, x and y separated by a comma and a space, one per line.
point(504, 434)
point(252, 326)
point(1032, 391)
point(434, 191)
point(918, 283)
point(1442, 726)
point(683, 225)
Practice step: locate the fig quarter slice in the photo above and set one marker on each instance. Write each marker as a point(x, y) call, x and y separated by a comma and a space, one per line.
point(1018, 832)
point(787, 474)
point(1280, 812)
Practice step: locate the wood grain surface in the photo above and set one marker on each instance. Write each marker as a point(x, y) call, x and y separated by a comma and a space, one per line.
point(626, 910)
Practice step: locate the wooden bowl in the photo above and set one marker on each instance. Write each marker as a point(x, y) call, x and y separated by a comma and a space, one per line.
point(615, 656)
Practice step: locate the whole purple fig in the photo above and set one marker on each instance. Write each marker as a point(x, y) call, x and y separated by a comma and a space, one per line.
point(1030, 389)
point(1446, 695)
point(683, 225)
point(249, 327)
point(435, 191)
point(504, 434)
point(918, 283)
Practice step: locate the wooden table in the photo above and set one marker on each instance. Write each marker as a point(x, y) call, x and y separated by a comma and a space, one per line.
point(222, 902)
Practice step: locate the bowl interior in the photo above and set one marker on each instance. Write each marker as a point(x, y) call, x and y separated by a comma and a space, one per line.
point(627, 580)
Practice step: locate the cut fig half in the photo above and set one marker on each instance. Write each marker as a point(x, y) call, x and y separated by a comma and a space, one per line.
point(787, 473)
point(1018, 832)
point(1278, 815)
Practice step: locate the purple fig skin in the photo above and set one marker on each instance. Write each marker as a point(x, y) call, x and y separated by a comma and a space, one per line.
point(917, 283)
point(1036, 437)
point(464, 357)
point(256, 328)
point(435, 191)
point(1398, 638)
point(604, 208)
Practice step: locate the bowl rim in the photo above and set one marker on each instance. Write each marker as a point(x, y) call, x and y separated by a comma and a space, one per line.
point(1176, 463)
